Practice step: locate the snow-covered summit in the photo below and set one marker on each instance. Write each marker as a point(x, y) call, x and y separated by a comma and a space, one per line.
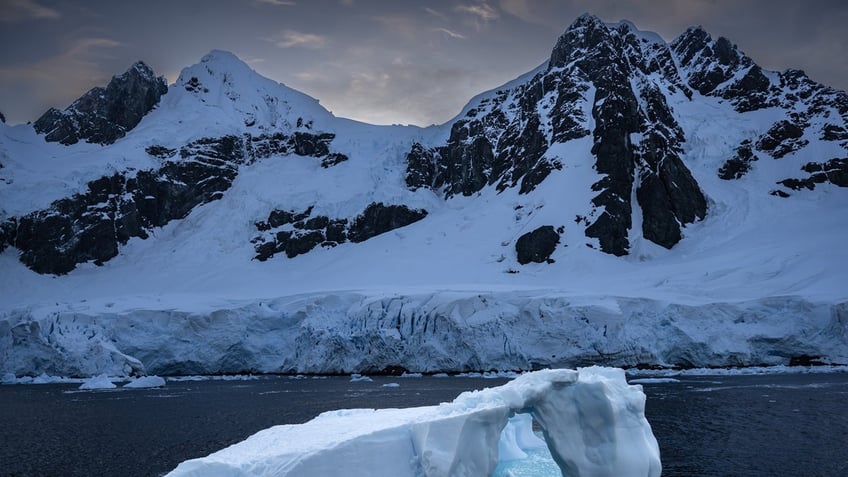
point(222, 89)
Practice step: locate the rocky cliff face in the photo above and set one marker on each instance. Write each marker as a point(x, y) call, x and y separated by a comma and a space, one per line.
point(637, 141)
point(104, 115)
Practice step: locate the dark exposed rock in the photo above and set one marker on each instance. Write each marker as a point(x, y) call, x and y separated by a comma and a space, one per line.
point(781, 139)
point(104, 115)
point(317, 223)
point(332, 159)
point(193, 85)
point(307, 231)
point(502, 141)
point(301, 143)
point(668, 197)
point(160, 152)
point(752, 92)
point(711, 65)
point(378, 218)
point(666, 191)
point(420, 167)
point(834, 171)
point(90, 226)
point(740, 164)
point(537, 246)
point(315, 145)
point(336, 231)
point(779, 193)
point(302, 242)
point(2, 118)
point(832, 132)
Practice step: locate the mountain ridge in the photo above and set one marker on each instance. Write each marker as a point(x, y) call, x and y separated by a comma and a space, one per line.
point(602, 195)
point(502, 138)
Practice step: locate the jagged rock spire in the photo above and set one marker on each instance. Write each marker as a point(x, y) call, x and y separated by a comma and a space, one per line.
point(103, 115)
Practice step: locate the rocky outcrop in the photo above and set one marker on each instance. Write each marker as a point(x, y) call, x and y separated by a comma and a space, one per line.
point(300, 143)
point(718, 68)
point(295, 233)
point(92, 225)
point(104, 115)
point(738, 165)
point(782, 138)
point(503, 140)
point(2, 118)
point(538, 245)
point(636, 138)
point(834, 171)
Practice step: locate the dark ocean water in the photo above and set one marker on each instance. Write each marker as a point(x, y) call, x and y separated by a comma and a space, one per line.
point(773, 425)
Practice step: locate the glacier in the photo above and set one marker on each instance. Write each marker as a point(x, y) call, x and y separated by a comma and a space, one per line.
point(592, 421)
point(357, 332)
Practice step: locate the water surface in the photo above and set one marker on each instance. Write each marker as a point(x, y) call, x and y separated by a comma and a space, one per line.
point(710, 426)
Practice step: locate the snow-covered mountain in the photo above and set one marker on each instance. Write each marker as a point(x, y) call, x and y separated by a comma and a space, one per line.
point(630, 201)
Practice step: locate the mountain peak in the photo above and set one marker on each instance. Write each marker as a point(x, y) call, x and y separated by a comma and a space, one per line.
point(583, 35)
point(142, 69)
point(223, 57)
point(239, 94)
point(103, 115)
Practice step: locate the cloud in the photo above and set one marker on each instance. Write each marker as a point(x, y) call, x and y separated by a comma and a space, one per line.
point(450, 33)
point(59, 79)
point(436, 13)
point(291, 39)
point(481, 10)
point(277, 3)
point(15, 11)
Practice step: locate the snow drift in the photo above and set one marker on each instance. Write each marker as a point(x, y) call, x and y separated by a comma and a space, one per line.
point(592, 420)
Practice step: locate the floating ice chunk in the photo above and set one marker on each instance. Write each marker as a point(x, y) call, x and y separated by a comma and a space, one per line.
point(98, 382)
point(592, 420)
point(391, 385)
point(146, 382)
point(358, 378)
point(9, 378)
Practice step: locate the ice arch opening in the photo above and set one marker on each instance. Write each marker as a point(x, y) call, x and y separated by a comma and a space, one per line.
point(592, 421)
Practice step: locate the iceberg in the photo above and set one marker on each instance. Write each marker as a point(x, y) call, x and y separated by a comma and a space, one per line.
point(98, 382)
point(145, 382)
point(592, 420)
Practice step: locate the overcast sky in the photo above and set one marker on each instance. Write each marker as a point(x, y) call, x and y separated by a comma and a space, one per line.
point(381, 61)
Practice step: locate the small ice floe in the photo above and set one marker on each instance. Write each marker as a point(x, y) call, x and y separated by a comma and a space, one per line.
point(146, 382)
point(98, 382)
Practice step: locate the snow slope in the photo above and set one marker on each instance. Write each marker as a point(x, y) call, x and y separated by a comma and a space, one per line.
point(760, 280)
point(592, 420)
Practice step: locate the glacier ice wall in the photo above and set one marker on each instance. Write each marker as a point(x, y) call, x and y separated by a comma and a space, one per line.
point(593, 422)
point(445, 331)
